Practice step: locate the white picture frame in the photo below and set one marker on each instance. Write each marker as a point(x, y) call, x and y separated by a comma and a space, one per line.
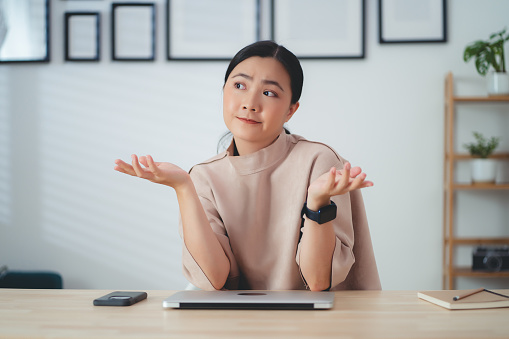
point(412, 21)
point(25, 31)
point(82, 36)
point(194, 34)
point(321, 30)
point(133, 31)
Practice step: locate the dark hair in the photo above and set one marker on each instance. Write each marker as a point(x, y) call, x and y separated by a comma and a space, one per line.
point(271, 49)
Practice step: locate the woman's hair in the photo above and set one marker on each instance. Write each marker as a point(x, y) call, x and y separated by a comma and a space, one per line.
point(270, 49)
point(267, 49)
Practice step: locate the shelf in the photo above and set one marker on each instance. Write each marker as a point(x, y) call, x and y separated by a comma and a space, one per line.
point(451, 159)
point(504, 186)
point(478, 241)
point(467, 272)
point(495, 98)
point(464, 156)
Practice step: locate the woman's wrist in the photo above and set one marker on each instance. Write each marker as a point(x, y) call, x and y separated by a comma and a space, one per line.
point(315, 203)
point(184, 186)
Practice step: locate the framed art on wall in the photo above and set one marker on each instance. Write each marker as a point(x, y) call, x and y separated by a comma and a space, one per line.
point(82, 36)
point(24, 31)
point(412, 21)
point(133, 31)
point(323, 30)
point(210, 30)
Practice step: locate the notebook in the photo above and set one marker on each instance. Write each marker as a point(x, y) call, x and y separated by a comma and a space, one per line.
point(282, 300)
point(484, 299)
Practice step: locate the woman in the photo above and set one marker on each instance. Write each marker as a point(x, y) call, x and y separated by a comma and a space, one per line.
point(274, 211)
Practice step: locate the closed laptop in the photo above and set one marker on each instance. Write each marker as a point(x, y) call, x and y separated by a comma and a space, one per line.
point(289, 300)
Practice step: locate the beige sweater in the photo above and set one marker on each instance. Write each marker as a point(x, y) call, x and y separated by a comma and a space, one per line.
point(254, 203)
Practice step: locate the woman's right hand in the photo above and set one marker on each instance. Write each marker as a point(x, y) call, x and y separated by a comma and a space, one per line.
point(163, 173)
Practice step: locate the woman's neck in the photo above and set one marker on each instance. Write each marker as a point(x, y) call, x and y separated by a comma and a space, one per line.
point(241, 147)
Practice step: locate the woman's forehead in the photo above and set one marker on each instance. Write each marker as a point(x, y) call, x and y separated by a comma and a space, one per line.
point(263, 68)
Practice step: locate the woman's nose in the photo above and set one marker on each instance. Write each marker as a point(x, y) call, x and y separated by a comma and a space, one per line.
point(251, 108)
point(251, 103)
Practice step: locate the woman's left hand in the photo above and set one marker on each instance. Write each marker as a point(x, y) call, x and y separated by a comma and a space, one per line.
point(334, 183)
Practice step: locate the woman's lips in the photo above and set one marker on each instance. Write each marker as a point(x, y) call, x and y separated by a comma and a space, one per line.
point(248, 121)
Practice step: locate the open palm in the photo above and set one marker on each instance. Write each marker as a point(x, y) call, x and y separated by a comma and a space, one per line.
point(337, 182)
point(145, 167)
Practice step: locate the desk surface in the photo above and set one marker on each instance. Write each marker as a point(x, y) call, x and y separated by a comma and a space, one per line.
point(356, 314)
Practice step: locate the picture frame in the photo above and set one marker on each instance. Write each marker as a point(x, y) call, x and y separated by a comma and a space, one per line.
point(332, 29)
point(25, 31)
point(133, 31)
point(193, 34)
point(82, 36)
point(417, 21)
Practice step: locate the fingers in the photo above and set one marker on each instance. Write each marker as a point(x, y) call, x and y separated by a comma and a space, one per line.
point(350, 179)
point(331, 180)
point(143, 160)
point(367, 183)
point(136, 166)
point(124, 167)
point(148, 171)
point(354, 171)
point(151, 164)
point(357, 182)
point(345, 176)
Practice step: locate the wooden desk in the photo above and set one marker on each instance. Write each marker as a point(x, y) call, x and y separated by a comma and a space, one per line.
point(356, 314)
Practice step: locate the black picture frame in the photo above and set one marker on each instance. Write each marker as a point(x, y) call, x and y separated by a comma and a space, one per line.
point(329, 30)
point(423, 21)
point(11, 49)
point(133, 31)
point(192, 34)
point(82, 36)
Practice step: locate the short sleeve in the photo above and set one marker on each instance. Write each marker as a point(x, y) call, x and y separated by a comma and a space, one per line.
point(192, 271)
point(343, 257)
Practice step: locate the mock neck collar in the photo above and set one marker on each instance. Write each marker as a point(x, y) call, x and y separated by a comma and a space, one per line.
point(259, 160)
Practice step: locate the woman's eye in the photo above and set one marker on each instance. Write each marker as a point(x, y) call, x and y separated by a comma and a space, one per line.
point(239, 86)
point(270, 94)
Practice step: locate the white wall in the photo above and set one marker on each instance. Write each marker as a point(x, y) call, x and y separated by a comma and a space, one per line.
point(63, 207)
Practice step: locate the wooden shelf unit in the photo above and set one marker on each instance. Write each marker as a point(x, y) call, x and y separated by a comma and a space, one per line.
point(467, 272)
point(450, 242)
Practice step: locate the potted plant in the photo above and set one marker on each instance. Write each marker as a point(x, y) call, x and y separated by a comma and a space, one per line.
point(490, 60)
point(484, 170)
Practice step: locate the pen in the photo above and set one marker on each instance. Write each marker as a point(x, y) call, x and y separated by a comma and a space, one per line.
point(461, 296)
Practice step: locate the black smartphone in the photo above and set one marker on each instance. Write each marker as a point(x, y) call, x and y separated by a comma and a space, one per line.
point(119, 298)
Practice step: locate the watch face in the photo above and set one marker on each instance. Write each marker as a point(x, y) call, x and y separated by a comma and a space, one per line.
point(323, 215)
point(327, 213)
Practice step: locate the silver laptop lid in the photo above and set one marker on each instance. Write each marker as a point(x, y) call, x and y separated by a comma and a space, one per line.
point(301, 300)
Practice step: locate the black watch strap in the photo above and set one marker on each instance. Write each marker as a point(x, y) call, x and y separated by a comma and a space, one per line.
point(323, 215)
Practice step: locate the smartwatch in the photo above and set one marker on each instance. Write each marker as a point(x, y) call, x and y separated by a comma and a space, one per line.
point(323, 215)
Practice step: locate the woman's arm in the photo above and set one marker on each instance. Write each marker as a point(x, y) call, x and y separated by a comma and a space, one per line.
point(318, 241)
point(199, 238)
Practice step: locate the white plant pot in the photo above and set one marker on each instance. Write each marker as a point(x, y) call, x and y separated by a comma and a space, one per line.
point(484, 170)
point(498, 83)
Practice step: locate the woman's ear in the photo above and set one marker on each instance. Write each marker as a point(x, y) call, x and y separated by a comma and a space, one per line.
point(293, 108)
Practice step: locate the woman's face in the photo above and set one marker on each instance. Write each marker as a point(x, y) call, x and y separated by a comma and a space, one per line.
point(257, 102)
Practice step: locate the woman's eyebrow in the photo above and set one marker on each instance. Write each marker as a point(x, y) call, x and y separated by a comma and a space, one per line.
point(268, 82)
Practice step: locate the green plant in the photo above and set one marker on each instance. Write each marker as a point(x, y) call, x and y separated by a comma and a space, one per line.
point(482, 147)
point(488, 53)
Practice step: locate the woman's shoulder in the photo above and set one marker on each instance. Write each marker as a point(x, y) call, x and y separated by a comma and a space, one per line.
point(210, 163)
point(316, 149)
